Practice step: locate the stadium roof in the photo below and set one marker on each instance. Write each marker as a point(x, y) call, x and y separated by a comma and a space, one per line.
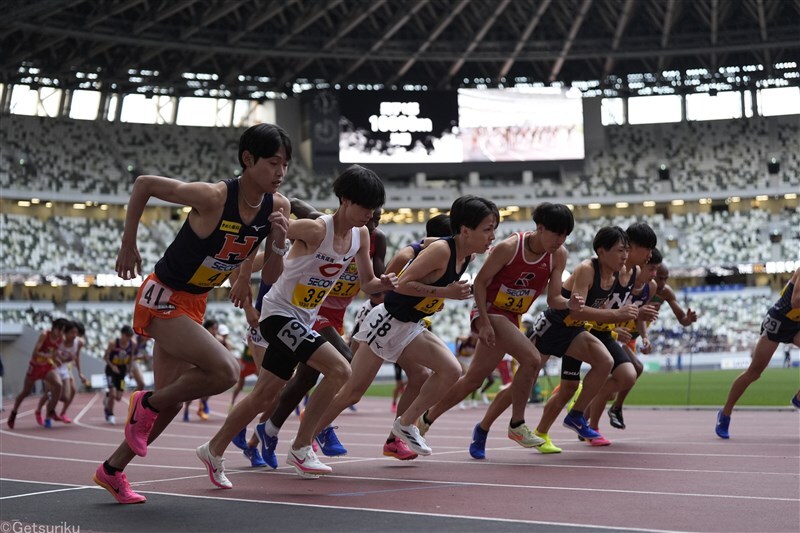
point(260, 48)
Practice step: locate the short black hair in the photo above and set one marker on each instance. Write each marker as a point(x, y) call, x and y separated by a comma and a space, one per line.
point(469, 211)
point(642, 235)
point(81, 328)
point(361, 186)
point(438, 226)
point(210, 323)
point(126, 330)
point(655, 257)
point(554, 217)
point(264, 140)
point(608, 236)
point(60, 323)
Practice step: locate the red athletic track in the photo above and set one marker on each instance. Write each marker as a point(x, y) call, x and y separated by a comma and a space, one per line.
point(667, 471)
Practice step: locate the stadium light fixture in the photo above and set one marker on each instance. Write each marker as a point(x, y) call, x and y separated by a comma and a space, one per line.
point(790, 196)
point(649, 203)
point(622, 205)
point(677, 202)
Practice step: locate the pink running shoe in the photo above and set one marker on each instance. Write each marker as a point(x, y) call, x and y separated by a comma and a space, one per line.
point(139, 424)
point(398, 450)
point(38, 416)
point(118, 486)
point(65, 418)
point(602, 441)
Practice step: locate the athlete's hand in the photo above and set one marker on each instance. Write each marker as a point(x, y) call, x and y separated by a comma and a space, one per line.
point(648, 312)
point(690, 318)
point(458, 290)
point(251, 315)
point(575, 302)
point(129, 262)
point(486, 334)
point(389, 281)
point(240, 294)
point(627, 312)
point(646, 346)
point(623, 335)
point(279, 226)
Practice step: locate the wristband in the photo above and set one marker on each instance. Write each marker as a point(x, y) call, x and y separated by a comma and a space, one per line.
point(281, 251)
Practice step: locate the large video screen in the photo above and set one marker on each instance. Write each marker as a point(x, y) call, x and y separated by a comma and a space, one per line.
point(526, 124)
point(471, 125)
point(399, 127)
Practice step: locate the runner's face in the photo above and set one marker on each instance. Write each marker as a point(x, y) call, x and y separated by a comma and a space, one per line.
point(481, 238)
point(551, 241)
point(270, 171)
point(614, 258)
point(375, 220)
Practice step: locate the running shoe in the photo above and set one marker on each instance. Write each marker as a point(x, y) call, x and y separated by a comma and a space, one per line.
point(111, 420)
point(579, 425)
point(600, 441)
point(423, 426)
point(615, 417)
point(48, 423)
point(796, 401)
point(204, 404)
point(12, 417)
point(240, 440)
point(254, 456)
point(139, 424)
point(548, 446)
point(477, 448)
point(329, 443)
point(723, 422)
point(201, 414)
point(523, 436)
point(215, 467)
point(398, 449)
point(40, 420)
point(393, 408)
point(410, 435)
point(306, 463)
point(118, 486)
point(56, 417)
point(268, 445)
point(353, 408)
point(65, 418)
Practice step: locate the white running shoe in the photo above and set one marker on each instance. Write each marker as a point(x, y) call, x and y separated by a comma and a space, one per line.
point(111, 420)
point(306, 463)
point(410, 435)
point(523, 436)
point(215, 466)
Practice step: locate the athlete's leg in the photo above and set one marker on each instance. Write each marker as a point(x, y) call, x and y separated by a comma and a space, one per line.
point(556, 403)
point(622, 377)
point(762, 353)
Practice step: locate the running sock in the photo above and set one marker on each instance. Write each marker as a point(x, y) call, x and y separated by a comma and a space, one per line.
point(515, 425)
point(271, 429)
point(146, 402)
point(425, 418)
point(110, 470)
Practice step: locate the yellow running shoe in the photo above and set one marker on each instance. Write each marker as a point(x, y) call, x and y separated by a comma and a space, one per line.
point(548, 446)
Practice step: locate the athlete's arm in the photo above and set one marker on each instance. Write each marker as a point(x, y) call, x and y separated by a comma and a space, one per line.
point(429, 266)
point(279, 225)
point(554, 298)
point(306, 235)
point(204, 198)
point(302, 209)
point(795, 300)
point(584, 277)
point(684, 318)
point(78, 360)
point(369, 283)
point(107, 357)
point(379, 256)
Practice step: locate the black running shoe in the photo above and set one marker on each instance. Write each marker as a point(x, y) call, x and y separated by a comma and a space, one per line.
point(615, 417)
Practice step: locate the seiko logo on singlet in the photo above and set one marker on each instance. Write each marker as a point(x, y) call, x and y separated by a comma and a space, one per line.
point(230, 227)
point(524, 279)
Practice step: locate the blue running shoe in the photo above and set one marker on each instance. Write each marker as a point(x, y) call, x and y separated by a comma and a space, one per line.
point(240, 440)
point(254, 456)
point(796, 401)
point(329, 443)
point(206, 410)
point(579, 425)
point(477, 448)
point(185, 415)
point(722, 425)
point(268, 445)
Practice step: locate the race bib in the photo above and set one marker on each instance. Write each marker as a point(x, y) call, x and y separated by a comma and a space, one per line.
point(310, 291)
point(212, 273)
point(430, 305)
point(294, 333)
point(514, 300)
point(380, 327)
point(347, 286)
point(155, 296)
